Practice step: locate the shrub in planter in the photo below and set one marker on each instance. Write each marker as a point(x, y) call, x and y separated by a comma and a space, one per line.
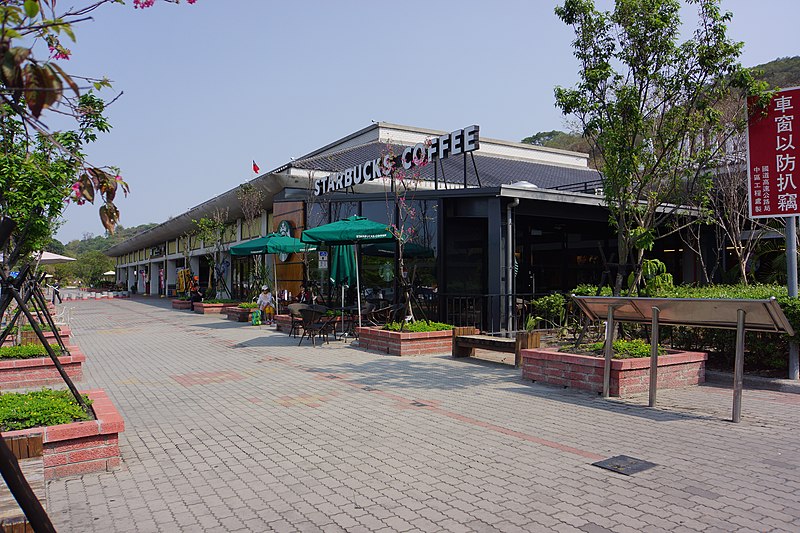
point(625, 349)
point(39, 408)
point(26, 351)
point(419, 326)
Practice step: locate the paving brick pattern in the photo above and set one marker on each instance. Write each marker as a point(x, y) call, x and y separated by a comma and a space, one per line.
point(236, 428)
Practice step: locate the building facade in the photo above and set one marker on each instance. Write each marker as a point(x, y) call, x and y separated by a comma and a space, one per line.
point(492, 222)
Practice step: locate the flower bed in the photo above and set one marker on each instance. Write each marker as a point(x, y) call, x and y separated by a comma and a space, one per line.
point(628, 376)
point(38, 371)
point(205, 308)
point(404, 344)
point(81, 447)
point(181, 304)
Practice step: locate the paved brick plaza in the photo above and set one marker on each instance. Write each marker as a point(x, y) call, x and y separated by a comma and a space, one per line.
point(235, 428)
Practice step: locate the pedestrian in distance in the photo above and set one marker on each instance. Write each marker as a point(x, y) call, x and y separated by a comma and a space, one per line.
point(56, 291)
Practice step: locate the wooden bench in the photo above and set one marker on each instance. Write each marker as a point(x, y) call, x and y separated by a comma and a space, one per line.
point(28, 451)
point(465, 341)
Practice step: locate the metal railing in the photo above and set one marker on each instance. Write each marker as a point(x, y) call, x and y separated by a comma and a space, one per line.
point(588, 187)
point(488, 312)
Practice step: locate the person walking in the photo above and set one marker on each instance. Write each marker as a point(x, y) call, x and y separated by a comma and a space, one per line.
point(266, 304)
point(57, 292)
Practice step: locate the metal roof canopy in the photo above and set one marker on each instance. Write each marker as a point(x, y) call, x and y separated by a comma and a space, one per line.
point(762, 315)
point(741, 315)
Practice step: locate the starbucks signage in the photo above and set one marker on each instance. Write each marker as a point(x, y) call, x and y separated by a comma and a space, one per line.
point(458, 142)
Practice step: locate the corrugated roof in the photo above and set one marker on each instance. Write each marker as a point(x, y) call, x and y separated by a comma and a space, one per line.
point(493, 171)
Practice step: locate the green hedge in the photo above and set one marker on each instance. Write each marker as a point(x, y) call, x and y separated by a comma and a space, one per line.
point(420, 326)
point(626, 349)
point(765, 351)
point(39, 408)
point(248, 305)
point(25, 351)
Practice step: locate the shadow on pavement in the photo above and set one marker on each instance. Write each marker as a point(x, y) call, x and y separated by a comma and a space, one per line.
point(405, 373)
point(593, 401)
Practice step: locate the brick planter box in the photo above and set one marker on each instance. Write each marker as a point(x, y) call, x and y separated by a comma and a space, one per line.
point(628, 376)
point(237, 314)
point(39, 371)
point(211, 309)
point(181, 304)
point(396, 343)
point(284, 323)
point(81, 447)
point(29, 337)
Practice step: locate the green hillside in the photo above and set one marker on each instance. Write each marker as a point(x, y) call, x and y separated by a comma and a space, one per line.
point(783, 72)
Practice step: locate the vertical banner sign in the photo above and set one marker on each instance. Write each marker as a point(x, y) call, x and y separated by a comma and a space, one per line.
point(772, 155)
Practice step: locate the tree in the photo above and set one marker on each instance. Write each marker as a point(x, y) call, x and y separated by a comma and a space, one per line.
point(251, 199)
point(89, 267)
point(211, 230)
point(32, 81)
point(647, 103)
point(562, 140)
point(36, 176)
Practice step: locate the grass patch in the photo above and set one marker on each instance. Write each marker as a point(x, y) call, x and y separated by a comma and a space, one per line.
point(45, 407)
point(248, 305)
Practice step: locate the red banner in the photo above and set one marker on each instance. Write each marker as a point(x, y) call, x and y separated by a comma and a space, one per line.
point(771, 156)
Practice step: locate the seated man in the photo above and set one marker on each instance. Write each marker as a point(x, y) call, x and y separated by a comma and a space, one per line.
point(195, 294)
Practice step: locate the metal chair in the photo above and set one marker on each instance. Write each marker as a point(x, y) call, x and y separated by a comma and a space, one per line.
point(313, 325)
point(297, 319)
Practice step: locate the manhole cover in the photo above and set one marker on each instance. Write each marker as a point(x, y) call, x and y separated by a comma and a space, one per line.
point(625, 465)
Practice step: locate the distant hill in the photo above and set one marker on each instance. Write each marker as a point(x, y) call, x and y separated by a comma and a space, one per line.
point(783, 72)
point(91, 243)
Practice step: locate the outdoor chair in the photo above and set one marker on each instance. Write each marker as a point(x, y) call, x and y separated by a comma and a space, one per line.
point(314, 324)
point(297, 318)
point(380, 317)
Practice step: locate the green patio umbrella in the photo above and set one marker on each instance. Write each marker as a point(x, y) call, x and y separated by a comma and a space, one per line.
point(252, 247)
point(343, 266)
point(283, 244)
point(272, 243)
point(353, 230)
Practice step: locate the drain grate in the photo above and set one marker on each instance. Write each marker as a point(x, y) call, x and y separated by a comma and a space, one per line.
point(625, 465)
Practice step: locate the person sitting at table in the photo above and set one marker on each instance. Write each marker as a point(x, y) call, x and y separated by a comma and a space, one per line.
point(304, 296)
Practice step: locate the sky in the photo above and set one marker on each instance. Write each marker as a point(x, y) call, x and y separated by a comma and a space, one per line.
point(210, 87)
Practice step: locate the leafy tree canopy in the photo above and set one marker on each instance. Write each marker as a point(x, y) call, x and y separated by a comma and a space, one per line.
point(646, 101)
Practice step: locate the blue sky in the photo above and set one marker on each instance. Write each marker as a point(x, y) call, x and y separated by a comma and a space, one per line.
point(209, 87)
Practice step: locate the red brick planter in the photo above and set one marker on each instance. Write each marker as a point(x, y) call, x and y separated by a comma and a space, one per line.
point(237, 314)
point(81, 447)
point(396, 343)
point(211, 309)
point(284, 323)
point(181, 304)
point(628, 376)
point(30, 337)
point(38, 371)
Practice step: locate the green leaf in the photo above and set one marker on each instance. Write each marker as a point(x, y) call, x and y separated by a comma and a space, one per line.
point(31, 8)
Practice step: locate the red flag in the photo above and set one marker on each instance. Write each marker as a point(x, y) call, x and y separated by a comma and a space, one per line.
point(255, 167)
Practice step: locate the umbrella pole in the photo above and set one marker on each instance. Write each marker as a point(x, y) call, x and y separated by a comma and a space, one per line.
point(275, 275)
point(358, 286)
